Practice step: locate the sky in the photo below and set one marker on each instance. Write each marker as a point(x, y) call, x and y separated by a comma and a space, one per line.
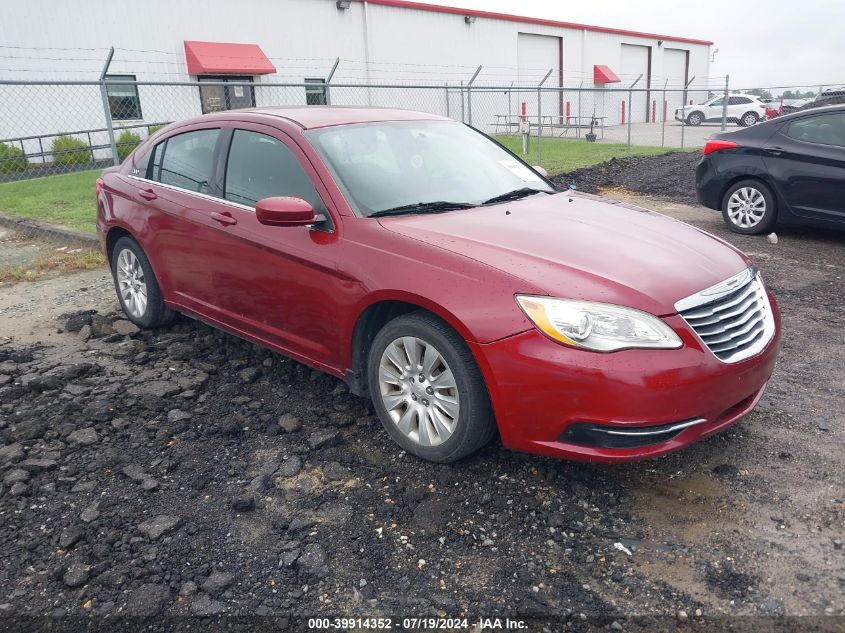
point(760, 43)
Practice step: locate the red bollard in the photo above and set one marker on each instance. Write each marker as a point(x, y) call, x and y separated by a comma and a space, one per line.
point(567, 113)
point(623, 113)
point(665, 108)
point(654, 111)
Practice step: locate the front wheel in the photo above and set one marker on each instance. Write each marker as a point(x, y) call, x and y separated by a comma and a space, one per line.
point(748, 119)
point(695, 118)
point(749, 208)
point(137, 288)
point(427, 389)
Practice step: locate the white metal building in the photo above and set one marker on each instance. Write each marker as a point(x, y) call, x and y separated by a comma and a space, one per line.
point(299, 41)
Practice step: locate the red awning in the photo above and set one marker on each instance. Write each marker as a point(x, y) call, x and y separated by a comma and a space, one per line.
point(226, 59)
point(603, 75)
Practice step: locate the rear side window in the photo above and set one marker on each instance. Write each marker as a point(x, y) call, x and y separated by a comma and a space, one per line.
point(260, 166)
point(828, 129)
point(738, 100)
point(185, 161)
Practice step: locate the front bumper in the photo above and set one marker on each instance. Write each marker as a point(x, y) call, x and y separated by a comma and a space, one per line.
point(540, 390)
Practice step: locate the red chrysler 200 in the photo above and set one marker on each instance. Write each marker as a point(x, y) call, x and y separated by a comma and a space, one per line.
point(429, 267)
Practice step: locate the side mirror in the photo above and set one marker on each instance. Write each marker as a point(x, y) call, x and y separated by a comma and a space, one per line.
point(541, 171)
point(280, 211)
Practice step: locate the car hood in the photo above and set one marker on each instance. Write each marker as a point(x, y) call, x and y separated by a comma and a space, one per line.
point(579, 246)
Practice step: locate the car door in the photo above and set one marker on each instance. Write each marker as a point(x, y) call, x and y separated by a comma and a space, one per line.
point(713, 109)
point(171, 188)
point(806, 159)
point(281, 285)
point(737, 106)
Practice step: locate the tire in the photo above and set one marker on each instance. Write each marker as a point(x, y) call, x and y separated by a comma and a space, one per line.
point(437, 423)
point(695, 118)
point(739, 204)
point(133, 276)
point(748, 119)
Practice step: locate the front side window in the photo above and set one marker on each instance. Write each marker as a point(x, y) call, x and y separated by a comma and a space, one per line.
point(124, 102)
point(185, 160)
point(717, 102)
point(827, 129)
point(260, 166)
point(386, 165)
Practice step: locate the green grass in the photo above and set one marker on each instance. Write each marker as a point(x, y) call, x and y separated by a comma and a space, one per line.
point(67, 200)
point(562, 155)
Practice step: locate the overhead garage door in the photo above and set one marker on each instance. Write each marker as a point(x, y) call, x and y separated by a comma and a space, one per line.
point(537, 54)
point(675, 72)
point(635, 62)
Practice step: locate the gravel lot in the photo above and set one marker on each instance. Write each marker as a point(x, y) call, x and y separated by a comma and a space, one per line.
point(184, 472)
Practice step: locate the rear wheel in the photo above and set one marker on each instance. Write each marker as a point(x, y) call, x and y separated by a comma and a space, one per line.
point(749, 208)
point(695, 118)
point(137, 288)
point(427, 389)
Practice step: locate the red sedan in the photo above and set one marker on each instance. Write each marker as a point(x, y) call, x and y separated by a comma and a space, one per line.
point(429, 267)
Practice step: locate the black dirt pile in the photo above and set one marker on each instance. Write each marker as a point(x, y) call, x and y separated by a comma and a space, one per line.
point(670, 176)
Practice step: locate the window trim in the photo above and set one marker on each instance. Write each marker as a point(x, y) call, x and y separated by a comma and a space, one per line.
point(134, 87)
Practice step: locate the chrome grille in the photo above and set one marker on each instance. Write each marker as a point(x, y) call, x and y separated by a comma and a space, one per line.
point(733, 318)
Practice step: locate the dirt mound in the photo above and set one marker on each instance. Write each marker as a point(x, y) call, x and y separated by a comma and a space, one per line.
point(670, 176)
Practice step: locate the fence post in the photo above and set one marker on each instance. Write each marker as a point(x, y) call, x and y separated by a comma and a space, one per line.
point(578, 116)
point(630, 112)
point(107, 110)
point(540, 117)
point(469, 95)
point(446, 92)
point(463, 107)
point(725, 104)
point(684, 110)
point(663, 124)
point(329, 82)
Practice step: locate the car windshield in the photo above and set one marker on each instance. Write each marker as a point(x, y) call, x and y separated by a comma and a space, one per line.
point(420, 166)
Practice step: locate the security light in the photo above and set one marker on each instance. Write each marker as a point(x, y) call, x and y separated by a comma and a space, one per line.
point(343, 5)
point(469, 19)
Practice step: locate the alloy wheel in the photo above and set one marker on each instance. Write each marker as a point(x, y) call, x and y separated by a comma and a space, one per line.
point(419, 391)
point(131, 283)
point(746, 207)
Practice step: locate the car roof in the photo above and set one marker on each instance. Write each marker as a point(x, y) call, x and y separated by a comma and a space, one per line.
point(311, 117)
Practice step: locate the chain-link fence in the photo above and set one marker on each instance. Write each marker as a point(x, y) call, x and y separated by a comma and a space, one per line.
point(69, 130)
point(51, 128)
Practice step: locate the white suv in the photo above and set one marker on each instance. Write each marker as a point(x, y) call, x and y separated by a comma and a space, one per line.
point(742, 109)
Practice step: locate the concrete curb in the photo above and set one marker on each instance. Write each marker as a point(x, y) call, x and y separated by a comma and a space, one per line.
point(49, 232)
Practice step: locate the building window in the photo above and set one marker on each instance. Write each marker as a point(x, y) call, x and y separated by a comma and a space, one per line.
point(124, 102)
point(316, 93)
point(217, 98)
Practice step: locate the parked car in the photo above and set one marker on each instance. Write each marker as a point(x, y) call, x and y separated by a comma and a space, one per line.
point(790, 170)
point(744, 110)
point(429, 267)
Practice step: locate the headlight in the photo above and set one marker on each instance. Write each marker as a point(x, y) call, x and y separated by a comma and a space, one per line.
point(600, 327)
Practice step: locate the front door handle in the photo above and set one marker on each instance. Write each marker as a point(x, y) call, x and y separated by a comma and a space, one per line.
point(223, 218)
point(774, 151)
point(147, 194)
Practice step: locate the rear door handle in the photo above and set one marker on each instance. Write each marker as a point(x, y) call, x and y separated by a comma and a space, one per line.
point(147, 194)
point(223, 218)
point(774, 151)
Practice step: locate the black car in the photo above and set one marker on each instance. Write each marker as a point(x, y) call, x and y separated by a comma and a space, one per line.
point(790, 170)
